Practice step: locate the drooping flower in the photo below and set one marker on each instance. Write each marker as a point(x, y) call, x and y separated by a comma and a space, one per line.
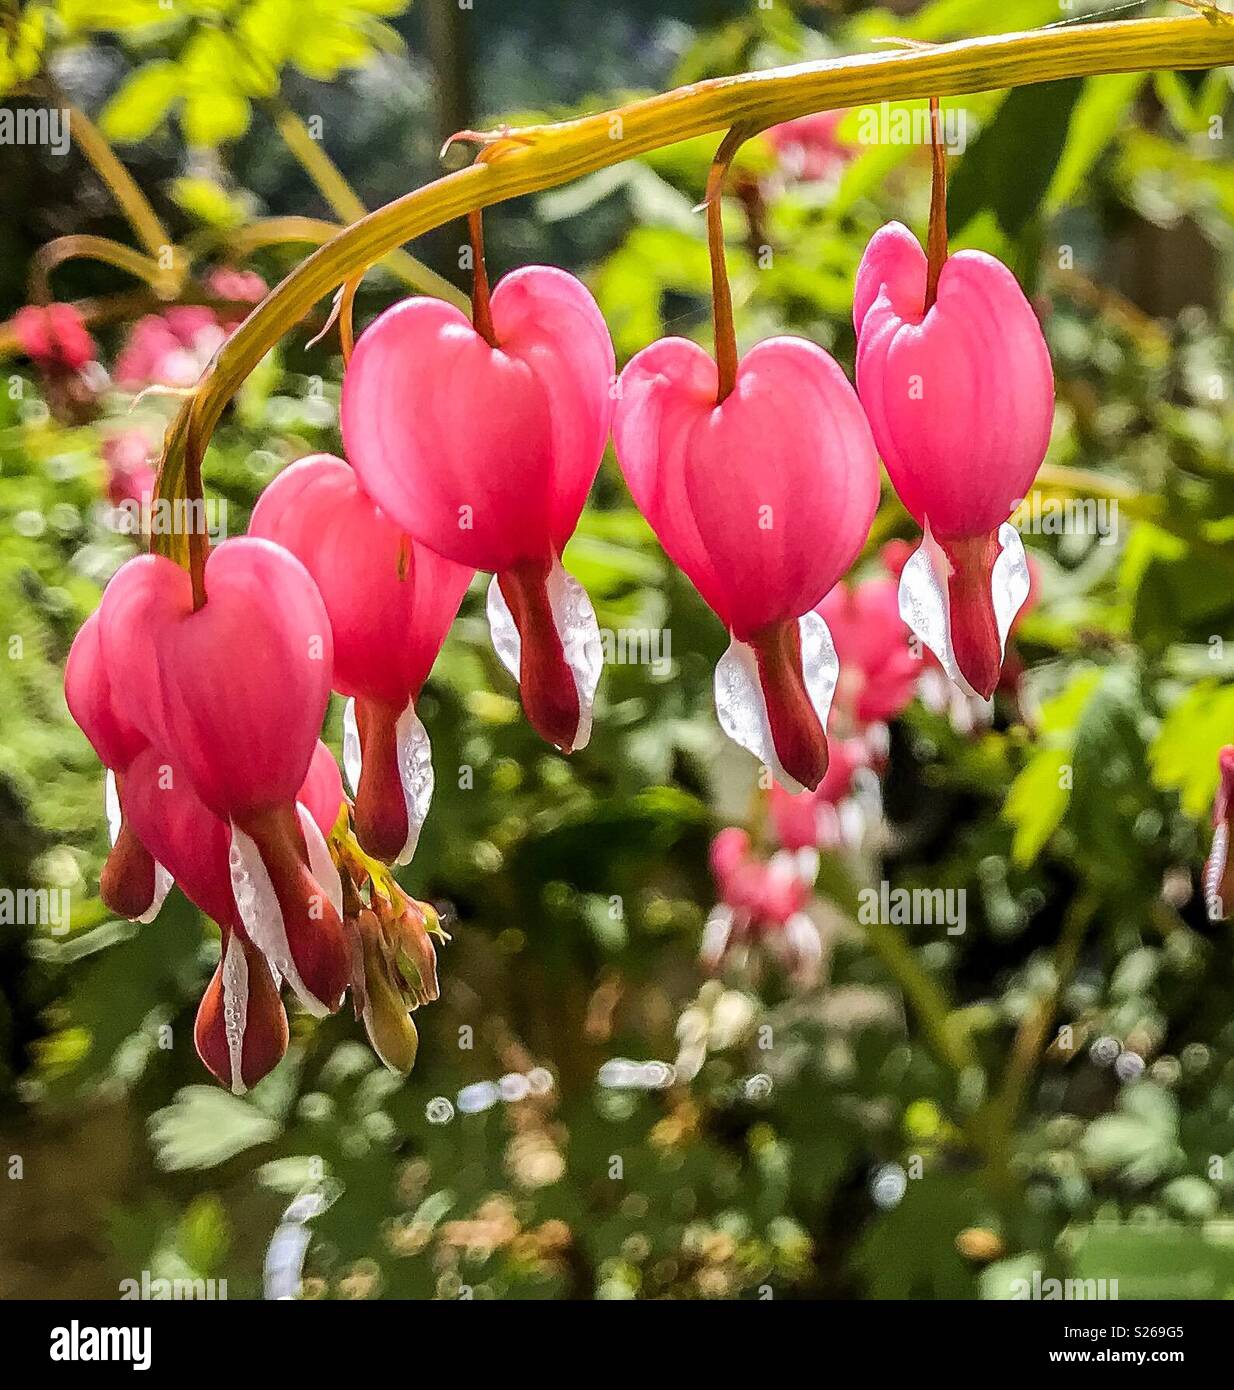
point(1218, 877)
point(763, 500)
point(54, 337)
point(169, 349)
point(762, 904)
point(133, 884)
point(172, 821)
point(241, 1026)
point(813, 820)
point(241, 1029)
point(960, 399)
point(810, 148)
point(878, 670)
point(486, 454)
point(235, 692)
point(391, 601)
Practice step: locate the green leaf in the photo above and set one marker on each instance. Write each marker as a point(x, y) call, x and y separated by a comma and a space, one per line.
point(208, 202)
point(142, 103)
point(1183, 756)
point(204, 1234)
point(1099, 115)
point(1037, 801)
point(1011, 163)
point(205, 1126)
point(1163, 1261)
point(212, 117)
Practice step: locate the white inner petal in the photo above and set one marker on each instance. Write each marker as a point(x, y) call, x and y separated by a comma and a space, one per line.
point(263, 918)
point(1009, 580)
point(321, 863)
point(163, 882)
point(925, 603)
point(414, 753)
point(111, 806)
point(577, 627)
point(235, 1009)
point(742, 708)
point(351, 747)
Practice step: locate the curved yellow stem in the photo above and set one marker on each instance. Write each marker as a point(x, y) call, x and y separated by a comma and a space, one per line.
point(92, 143)
point(544, 156)
point(165, 283)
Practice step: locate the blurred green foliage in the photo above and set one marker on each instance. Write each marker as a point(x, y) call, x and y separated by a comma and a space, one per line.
point(829, 1144)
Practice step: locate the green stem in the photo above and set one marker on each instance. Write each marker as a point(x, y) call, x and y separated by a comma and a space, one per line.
point(950, 1045)
point(1030, 1040)
point(92, 143)
point(164, 283)
point(540, 157)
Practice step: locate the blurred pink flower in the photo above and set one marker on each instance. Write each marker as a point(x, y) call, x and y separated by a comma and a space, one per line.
point(169, 349)
point(810, 148)
point(245, 286)
point(878, 670)
point(762, 904)
point(54, 337)
point(130, 473)
point(809, 820)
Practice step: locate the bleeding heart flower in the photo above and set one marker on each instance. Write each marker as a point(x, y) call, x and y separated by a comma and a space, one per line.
point(130, 473)
point(764, 500)
point(241, 1030)
point(169, 349)
point(133, 883)
point(235, 692)
point(486, 454)
point(809, 148)
point(171, 819)
point(391, 601)
point(878, 671)
point(1218, 878)
point(762, 903)
point(241, 1027)
point(809, 820)
point(960, 398)
point(54, 337)
point(243, 286)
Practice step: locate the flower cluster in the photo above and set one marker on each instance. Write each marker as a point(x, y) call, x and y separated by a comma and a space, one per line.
point(472, 445)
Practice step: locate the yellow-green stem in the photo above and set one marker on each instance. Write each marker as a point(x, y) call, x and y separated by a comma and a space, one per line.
point(92, 143)
point(165, 283)
point(541, 157)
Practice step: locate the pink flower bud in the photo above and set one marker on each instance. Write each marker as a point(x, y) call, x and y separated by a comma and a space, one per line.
point(235, 692)
point(131, 884)
point(764, 501)
point(486, 455)
point(390, 601)
point(960, 399)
